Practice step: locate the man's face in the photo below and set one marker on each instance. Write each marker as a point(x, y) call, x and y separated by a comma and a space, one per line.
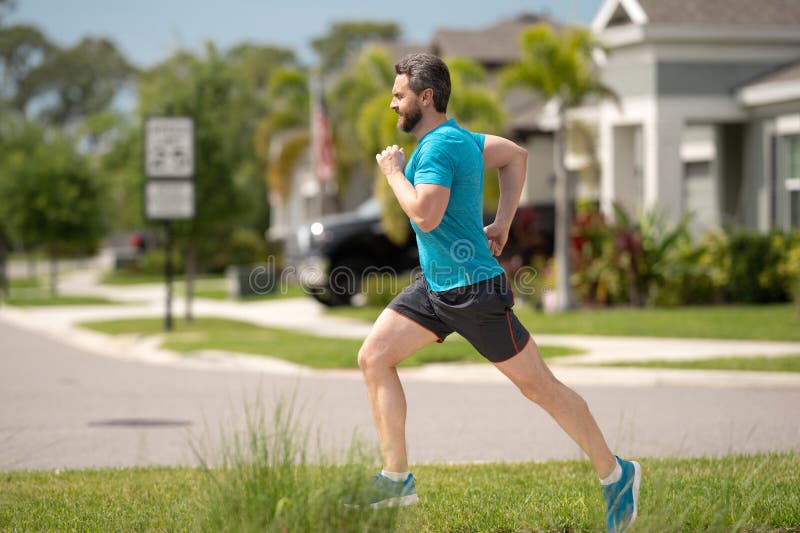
point(406, 104)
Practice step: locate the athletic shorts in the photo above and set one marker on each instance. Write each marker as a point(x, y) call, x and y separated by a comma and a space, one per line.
point(481, 313)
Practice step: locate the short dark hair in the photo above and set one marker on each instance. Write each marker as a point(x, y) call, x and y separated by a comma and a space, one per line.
point(426, 71)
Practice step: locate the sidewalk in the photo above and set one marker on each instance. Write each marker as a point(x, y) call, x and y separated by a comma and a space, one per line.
point(304, 314)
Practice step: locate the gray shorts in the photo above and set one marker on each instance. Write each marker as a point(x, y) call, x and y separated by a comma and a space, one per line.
point(481, 313)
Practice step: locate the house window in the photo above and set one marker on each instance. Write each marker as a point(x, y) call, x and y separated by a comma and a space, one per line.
point(793, 179)
point(697, 169)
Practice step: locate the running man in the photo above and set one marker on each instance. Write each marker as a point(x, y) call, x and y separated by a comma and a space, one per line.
point(462, 287)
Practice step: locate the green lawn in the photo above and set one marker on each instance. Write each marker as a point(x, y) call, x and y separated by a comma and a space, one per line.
point(212, 286)
point(786, 363)
point(730, 494)
point(31, 300)
point(297, 347)
point(220, 292)
point(124, 278)
point(24, 283)
point(768, 322)
point(28, 292)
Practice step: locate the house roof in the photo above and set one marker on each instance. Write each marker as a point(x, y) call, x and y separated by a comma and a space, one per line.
point(704, 12)
point(738, 12)
point(399, 50)
point(491, 46)
point(777, 86)
point(785, 73)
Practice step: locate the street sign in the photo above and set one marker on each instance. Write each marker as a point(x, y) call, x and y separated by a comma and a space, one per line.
point(169, 199)
point(169, 147)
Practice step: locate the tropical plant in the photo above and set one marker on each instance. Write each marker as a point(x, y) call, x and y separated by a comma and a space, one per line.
point(282, 135)
point(360, 110)
point(558, 67)
point(629, 260)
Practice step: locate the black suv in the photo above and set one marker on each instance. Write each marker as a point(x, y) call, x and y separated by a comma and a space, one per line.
point(333, 252)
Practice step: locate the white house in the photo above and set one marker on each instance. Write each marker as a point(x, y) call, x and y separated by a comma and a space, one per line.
point(709, 121)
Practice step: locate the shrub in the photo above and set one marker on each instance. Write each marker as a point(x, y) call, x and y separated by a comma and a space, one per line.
point(243, 246)
point(695, 273)
point(627, 261)
point(152, 262)
point(789, 268)
point(598, 277)
point(755, 274)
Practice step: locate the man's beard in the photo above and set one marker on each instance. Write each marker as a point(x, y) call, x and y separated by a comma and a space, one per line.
point(409, 121)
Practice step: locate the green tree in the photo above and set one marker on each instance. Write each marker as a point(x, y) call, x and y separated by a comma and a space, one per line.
point(76, 82)
point(347, 38)
point(227, 95)
point(559, 68)
point(203, 88)
point(50, 195)
point(120, 164)
point(18, 139)
point(23, 48)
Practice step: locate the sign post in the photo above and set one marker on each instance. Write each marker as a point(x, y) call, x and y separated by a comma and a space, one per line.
point(169, 188)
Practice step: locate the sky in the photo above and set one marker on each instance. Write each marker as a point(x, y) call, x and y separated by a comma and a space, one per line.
point(148, 31)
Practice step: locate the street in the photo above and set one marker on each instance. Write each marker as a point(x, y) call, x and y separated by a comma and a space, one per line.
point(62, 407)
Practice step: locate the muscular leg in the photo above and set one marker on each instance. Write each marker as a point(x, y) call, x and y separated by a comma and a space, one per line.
point(531, 375)
point(392, 339)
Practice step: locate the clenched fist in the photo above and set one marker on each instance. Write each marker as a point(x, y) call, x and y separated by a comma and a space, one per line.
point(392, 159)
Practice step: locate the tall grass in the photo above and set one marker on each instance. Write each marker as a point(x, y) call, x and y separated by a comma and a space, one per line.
point(271, 480)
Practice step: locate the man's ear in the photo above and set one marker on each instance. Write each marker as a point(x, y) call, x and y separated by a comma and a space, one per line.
point(427, 96)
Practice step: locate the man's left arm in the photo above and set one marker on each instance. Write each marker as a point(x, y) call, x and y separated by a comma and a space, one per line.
point(511, 160)
point(425, 203)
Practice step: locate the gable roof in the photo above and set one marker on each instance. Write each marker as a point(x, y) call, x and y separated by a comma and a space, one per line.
point(702, 12)
point(776, 86)
point(491, 46)
point(785, 73)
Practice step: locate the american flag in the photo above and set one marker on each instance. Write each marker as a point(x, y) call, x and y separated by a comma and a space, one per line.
point(324, 158)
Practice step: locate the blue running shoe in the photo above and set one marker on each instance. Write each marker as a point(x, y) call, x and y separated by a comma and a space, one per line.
point(622, 497)
point(383, 492)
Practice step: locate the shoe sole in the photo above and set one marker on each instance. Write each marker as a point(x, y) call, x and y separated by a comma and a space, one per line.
point(400, 501)
point(637, 479)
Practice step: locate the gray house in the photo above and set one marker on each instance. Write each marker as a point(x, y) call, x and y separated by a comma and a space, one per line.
point(709, 121)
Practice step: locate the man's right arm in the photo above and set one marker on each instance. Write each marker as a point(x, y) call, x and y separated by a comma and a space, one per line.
point(511, 160)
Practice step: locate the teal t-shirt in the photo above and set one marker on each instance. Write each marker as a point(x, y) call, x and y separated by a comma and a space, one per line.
point(455, 253)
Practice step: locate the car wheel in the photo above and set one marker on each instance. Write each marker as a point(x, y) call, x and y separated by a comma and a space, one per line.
point(345, 280)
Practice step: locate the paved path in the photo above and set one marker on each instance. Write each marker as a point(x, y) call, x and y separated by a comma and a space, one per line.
point(60, 406)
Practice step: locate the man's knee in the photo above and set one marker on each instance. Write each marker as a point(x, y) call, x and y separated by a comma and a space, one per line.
point(542, 390)
point(371, 355)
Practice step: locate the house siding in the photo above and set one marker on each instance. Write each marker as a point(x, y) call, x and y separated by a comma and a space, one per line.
point(705, 78)
point(631, 80)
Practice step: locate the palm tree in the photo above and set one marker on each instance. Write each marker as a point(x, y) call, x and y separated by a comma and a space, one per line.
point(559, 68)
point(363, 113)
point(282, 137)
